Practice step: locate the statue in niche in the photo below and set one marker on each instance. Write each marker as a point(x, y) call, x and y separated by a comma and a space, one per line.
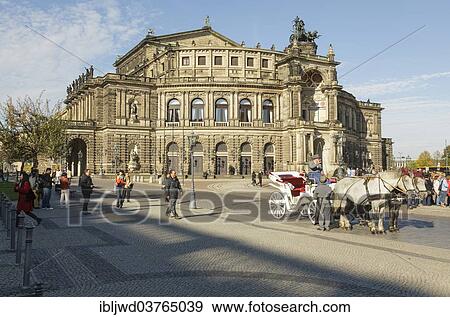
point(134, 111)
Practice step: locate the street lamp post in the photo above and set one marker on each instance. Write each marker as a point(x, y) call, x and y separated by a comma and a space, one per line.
point(116, 156)
point(192, 139)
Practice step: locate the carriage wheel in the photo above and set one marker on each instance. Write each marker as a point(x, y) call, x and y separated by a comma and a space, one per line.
point(277, 205)
point(312, 211)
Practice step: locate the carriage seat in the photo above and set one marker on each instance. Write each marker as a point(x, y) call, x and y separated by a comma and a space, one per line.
point(298, 183)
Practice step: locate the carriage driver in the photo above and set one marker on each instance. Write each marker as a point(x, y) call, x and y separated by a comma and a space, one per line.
point(315, 168)
point(322, 194)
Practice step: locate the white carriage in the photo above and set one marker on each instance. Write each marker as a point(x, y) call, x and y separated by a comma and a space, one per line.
point(294, 194)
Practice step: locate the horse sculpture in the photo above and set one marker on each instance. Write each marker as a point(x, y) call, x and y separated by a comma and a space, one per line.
point(375, 191)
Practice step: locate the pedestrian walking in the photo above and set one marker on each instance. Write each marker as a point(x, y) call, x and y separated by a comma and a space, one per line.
point(120, 185)
point(34, 182)
point(26, 197)
point(64, 185)
point(56, 180)
point(87, 187)
point(254, 178)
point(260, 175)
point(322, 194)
point(172, 191)
point(46, 184)
point(128, 186)
point(442, 191)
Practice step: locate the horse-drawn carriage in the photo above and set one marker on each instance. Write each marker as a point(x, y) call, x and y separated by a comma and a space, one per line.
point(364, 199)
point(294, 194)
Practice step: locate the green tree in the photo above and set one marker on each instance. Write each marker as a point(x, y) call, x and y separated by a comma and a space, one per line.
point(31, 128)
point(424, 159)
point(446, 155)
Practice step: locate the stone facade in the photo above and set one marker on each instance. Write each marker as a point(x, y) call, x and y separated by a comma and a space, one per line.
point(251, 109)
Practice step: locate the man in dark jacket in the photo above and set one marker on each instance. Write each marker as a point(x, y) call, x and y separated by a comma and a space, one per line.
point(323, 194)
point(172, 191)
point(86, 186)
point(429, 186)
point(46, 186)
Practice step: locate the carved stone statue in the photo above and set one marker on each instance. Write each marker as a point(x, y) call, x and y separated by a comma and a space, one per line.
point(133, 164)
point(134, 110)
point(311, 36)
point(207, 22)
point(299, 33)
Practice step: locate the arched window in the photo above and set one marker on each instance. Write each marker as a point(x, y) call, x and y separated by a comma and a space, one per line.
point(245, 110)
point(267, 111)
point(221, 147)
point(197, 107)
point(221, 110)
point(173, 110)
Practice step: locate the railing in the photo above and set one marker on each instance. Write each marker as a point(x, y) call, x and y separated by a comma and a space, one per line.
point(182, 80)
point(197, 123)
point(269, 125)
point(246, 124)
point(221, 124)
point(80, 124)
point(172, 124)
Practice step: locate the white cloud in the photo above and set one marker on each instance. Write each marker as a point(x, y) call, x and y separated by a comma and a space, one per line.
point(385, 87)
point(414, 103)
point(90, 29)
point(414, 123)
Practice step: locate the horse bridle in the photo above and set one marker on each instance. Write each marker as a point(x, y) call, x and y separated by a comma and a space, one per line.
point(396, 187)
point(416, 187)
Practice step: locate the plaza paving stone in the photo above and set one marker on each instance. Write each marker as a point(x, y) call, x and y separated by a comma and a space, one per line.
point(141, 253)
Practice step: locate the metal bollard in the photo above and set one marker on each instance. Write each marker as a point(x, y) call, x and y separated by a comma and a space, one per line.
point(8, 220)
point(13, 229)
point(20, 221)
point(27, 262)
point(2, 199)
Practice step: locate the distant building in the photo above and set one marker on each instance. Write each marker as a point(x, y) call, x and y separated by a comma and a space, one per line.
point(252, 109)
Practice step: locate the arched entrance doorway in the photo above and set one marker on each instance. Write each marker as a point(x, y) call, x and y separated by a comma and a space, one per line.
point(246, 159)
point(269, 158)
point(172, 157)
point(197, 156)
point(318, 145)
point(77, 159)
point(221, 159)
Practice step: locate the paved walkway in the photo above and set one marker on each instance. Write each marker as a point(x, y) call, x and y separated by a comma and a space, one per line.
point(137, 251)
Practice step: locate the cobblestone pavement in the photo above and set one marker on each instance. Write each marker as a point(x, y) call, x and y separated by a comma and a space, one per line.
point(238, 250)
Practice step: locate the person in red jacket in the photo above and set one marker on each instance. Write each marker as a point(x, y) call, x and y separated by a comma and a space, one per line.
point(26, 197)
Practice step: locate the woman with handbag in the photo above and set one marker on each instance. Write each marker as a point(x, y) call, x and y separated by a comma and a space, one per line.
point(26, 197)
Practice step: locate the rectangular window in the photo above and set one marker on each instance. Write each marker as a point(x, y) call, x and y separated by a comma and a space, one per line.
point(201, 61)
point(234, 61)
point(163, 66)
point(265, 63)
point(250, 61)
point(217, 60)
point(185, 61)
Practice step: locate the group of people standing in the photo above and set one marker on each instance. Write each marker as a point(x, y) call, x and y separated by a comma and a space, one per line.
point(123, 187)
point(260, 177)
point(438, 190)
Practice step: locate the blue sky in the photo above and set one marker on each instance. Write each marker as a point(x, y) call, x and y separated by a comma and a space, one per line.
point(411, 79)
